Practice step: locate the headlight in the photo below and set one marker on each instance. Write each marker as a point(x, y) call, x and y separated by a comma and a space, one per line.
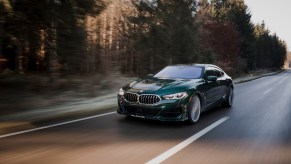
point(175, 96)
point(121, 92)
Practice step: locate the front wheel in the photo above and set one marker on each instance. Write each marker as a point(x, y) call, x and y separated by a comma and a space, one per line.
point(194, 109)
point(229, 98)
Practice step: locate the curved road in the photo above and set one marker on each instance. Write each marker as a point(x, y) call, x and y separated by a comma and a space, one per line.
point(257, 129)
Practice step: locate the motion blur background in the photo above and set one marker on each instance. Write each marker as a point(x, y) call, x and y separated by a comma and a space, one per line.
point(53, 51)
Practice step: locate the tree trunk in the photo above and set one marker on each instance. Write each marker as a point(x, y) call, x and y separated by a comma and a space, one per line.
point(1, 37)
point(3, 63)
point(52, 55)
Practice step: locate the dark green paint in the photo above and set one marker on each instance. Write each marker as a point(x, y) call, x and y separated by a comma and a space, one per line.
point(211, 91)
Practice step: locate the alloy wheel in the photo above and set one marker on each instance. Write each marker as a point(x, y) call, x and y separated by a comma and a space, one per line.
point(195, 109)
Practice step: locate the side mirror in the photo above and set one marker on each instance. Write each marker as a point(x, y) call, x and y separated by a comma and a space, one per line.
point(150, 75)
point(211, 78)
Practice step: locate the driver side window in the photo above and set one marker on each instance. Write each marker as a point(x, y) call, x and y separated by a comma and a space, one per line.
point(210, 72)
point(217, 73)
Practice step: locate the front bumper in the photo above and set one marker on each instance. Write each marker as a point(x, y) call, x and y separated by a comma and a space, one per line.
point(165, 110)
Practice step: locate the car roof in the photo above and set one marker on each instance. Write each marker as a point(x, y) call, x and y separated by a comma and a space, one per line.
point(196, 65)
point(199, 65)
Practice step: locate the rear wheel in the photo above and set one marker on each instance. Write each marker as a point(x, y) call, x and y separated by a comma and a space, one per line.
point(194, 109)
point(229, 98)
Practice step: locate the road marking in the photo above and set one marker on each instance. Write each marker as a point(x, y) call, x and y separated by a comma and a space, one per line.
point(185, 143)
point(268, 91)
point(54, 125)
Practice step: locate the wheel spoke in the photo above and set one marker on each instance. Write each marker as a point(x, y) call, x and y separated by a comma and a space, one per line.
point(195, 111)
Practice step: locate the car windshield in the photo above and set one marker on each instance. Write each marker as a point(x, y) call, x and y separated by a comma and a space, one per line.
point(180, 72)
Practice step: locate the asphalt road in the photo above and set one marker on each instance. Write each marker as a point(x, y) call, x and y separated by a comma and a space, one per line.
point(257, 129)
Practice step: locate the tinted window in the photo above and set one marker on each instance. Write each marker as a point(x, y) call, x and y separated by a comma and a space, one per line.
point(180, 72)
point(210, 72)
point(217, 73)
point(222, 73)
point(213, 72)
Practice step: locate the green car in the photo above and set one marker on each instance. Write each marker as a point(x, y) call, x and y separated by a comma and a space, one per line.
point(177, 93)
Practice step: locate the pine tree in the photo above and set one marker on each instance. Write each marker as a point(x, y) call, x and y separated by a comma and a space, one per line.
point(238, 13)
point(5, 11)
point(271, 51)
point(166, 33)
point(47, 33)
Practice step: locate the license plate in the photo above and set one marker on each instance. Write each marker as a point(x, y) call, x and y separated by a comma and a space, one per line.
point(137, 116)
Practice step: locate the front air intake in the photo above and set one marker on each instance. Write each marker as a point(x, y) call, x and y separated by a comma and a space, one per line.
point(131, 97)
point(149, 99)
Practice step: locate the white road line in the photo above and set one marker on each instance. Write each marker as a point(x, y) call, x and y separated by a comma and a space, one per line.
point(268, 91)
point(185, 143)
point(54, 125)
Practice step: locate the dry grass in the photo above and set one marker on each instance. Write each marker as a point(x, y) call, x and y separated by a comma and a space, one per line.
point(255, 74)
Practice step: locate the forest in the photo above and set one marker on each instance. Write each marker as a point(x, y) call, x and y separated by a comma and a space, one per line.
point(134, 37)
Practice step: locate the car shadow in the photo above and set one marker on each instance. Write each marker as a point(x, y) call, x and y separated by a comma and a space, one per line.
point(143, 129)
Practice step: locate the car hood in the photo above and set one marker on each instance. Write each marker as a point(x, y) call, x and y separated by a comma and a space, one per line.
point(157, 85)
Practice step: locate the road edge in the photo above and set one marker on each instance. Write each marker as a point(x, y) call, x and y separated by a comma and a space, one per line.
point(258, 77)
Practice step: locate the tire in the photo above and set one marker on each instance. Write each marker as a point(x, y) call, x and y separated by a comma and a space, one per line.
point(194, 109)
point(229, 98)
point(128, 117)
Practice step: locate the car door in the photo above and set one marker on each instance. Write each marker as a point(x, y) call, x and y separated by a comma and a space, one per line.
point(211, 87)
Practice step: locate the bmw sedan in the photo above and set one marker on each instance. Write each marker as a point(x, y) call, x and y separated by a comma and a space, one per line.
point(177, 93)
